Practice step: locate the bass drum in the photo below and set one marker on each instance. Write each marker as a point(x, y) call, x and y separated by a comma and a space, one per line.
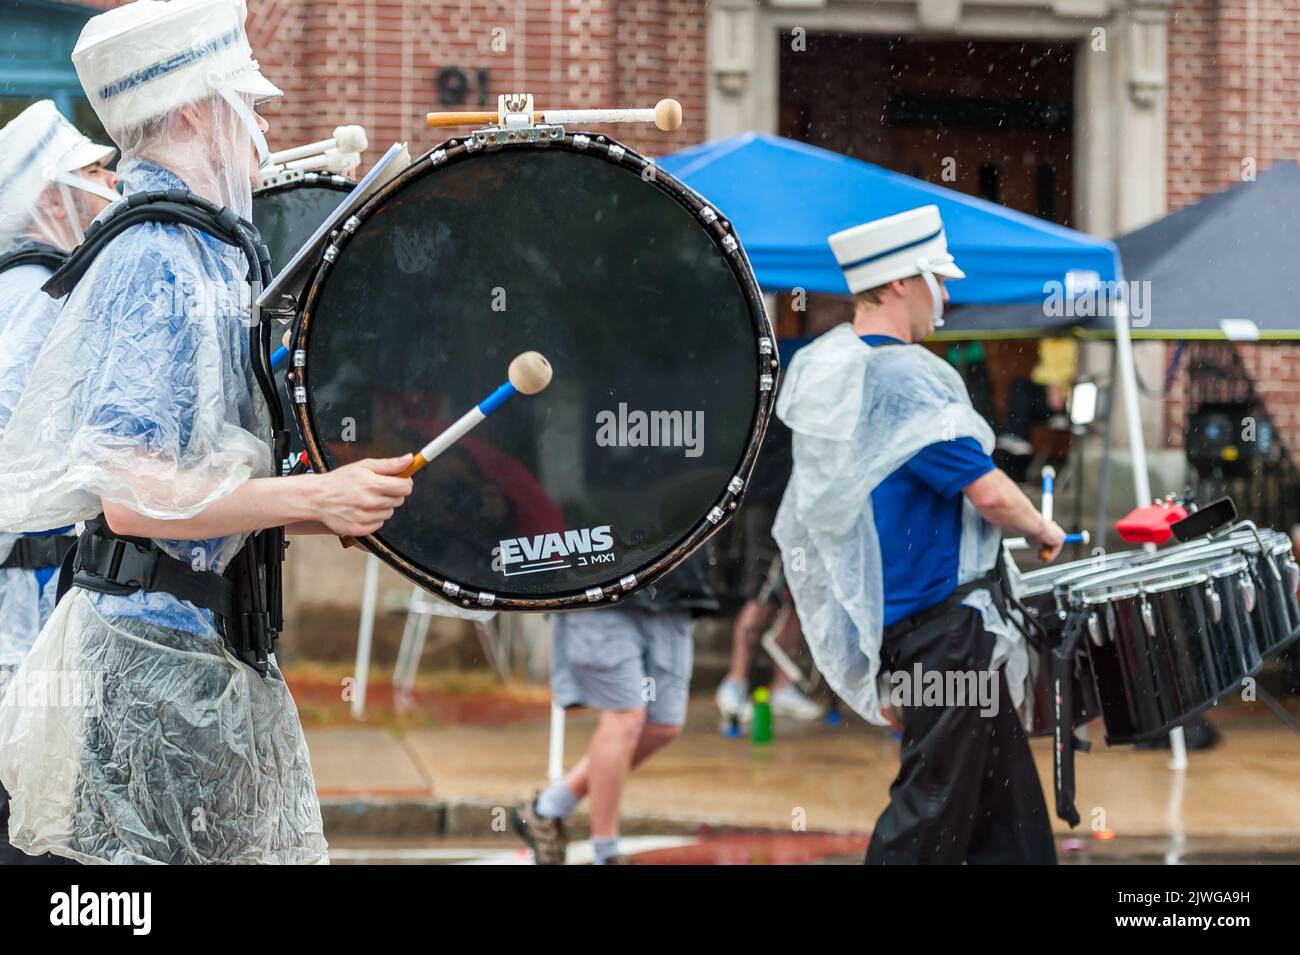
point(287, 209)
point(633, 287)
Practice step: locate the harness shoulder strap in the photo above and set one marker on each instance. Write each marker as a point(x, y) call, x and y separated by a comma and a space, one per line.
point(174, 206)
point(33, 253)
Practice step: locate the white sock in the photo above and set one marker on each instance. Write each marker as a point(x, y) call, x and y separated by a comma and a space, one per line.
point(556, 802)
point(605, 849)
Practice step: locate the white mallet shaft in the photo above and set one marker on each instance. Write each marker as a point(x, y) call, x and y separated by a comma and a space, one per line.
point(346, 139)
point(666, 115)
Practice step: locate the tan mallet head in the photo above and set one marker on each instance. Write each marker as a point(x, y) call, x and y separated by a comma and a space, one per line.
point(530, 372)
point(668, 115)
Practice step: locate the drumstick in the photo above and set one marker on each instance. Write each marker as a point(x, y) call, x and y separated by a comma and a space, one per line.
point(528, 374)
point(1019, 543)
point(666, 115)
point(1049, 491)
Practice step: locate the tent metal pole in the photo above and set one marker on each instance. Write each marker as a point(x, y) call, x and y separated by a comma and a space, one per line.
point(1103, 477)
point(1138, 451)
point(1132, 414)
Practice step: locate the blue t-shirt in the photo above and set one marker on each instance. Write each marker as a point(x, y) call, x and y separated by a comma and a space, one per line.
point(918, 511)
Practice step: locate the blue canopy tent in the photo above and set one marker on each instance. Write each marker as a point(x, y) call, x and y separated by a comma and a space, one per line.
point(785, 197)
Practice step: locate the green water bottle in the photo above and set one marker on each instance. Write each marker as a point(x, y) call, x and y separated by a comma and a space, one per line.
point(762, 721)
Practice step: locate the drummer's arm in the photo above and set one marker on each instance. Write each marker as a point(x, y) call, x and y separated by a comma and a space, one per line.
point(1004, 505)
point(353, 500)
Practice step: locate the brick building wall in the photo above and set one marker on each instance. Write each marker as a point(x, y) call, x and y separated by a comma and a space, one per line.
point(376, 62)
point(1234, 107)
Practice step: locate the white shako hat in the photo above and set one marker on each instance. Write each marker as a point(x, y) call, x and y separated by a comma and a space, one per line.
point(39, 144)
point(147, 58)
point(896, 247)
point(37, 147)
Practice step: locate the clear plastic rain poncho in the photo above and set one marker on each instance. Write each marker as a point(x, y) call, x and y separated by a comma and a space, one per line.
point(858, 414)
point(130, 734)
point(46, 200)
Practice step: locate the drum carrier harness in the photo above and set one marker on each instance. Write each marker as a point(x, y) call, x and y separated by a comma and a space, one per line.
point(36, 553)
point(247, 600)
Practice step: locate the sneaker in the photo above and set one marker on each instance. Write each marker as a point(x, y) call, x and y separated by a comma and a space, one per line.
point(731, 696)
point(544, 835)
point(790, 701)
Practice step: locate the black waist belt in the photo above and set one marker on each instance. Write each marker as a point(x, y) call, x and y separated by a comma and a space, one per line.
point(38, 553)
point(248, 621)
point(992, 582)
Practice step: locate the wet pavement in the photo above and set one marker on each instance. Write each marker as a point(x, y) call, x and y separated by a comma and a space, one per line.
point(780, 849)
point(810, 797)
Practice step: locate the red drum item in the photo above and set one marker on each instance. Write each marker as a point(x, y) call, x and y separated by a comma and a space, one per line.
point(1150, 524)
point(641, 298)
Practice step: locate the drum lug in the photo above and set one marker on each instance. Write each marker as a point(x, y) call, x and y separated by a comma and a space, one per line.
point(628, 582)
point(708, 215)
point(1247, 593)
point(736, 484)
point(299, 395)
point(299, 358)
point(1216, 602)
point(765, 383)
point(1148, 618)
point(1094, 630)
point(765, 346)
point(595, 595)
point(715, 515)
point(486, 599)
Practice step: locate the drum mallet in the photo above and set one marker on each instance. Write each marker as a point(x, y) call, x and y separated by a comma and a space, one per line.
point(528, 374)
point(346, 140)
point(666, 115)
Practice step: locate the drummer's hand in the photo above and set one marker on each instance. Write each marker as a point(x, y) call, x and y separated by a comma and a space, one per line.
point(1049, 540)
point(356, 499)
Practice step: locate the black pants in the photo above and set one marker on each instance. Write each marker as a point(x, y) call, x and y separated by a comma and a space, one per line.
point(967, 790)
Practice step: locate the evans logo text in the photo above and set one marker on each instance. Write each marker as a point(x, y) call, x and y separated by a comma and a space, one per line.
point(542, 552)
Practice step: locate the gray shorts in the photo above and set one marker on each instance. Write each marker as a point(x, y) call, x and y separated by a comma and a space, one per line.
point(624, 659)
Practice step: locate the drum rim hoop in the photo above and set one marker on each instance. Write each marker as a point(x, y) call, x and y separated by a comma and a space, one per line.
point(600, 147)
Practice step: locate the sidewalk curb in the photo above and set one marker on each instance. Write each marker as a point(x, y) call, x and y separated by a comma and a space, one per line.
point(353, 817)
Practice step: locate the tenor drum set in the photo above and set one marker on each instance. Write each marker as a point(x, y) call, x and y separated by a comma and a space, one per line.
point(1148, 640)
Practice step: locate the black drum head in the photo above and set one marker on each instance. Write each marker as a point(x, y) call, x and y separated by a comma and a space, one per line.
point(653, 330)
point(286, 215)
